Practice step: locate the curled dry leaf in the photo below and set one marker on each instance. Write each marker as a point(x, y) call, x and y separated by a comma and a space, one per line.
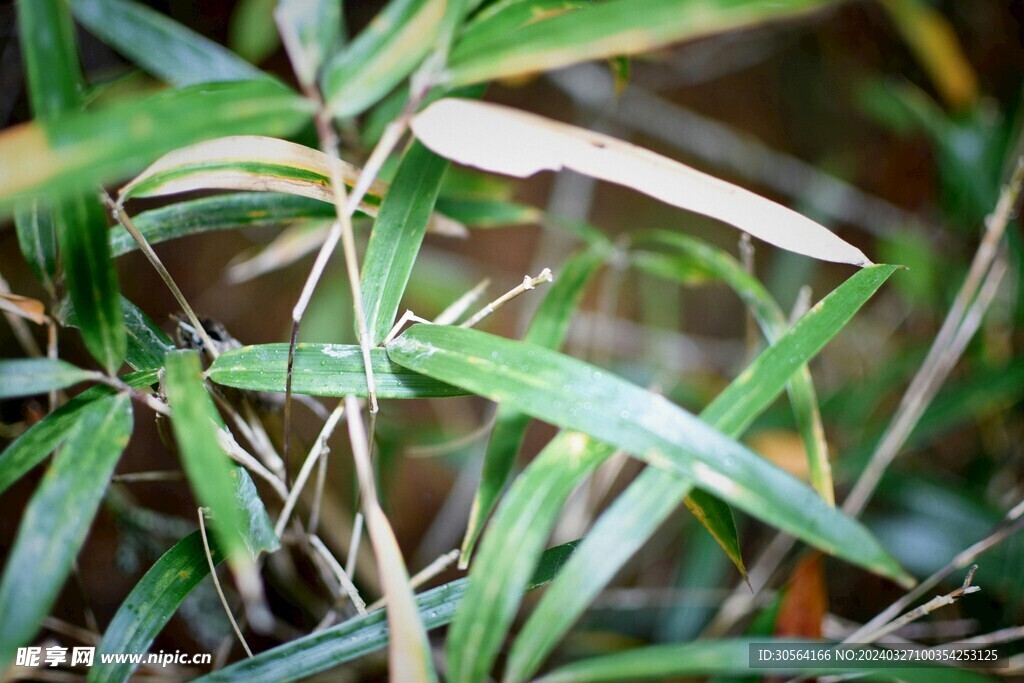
point(259, 164)
point(24, 307)
point(512, 142)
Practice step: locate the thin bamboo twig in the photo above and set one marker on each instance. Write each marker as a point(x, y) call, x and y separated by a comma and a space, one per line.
point(339, 572)
point(318, 493)
point(1011, 524)
point(249, 461)
point(353, 546)
point(422, 576)
point(216, 584)
point(527, 284)
point(318, 448)
point(943, 353)
point(935, 603)
point(122, 217)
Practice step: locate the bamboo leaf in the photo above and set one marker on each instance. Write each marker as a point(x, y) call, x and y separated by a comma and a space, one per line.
point(51, 58)
point(311, 31)
point(397, 235)
point(729, 658)
point(37, 239)
point(147, 345)
point(252, 33)
point(614, 538)
point(383, 54)
point(31, 376)
point(32, 447)
point(548, 329)
point(607, 29)
point(773, 324)
point(210, 214)
point(91, 278)
point(308, 655)
point(78, 150)
point(210, 472)
point(638, 512)
point(255, 527)
point(57, 520)
point(160, 45)
point(512, 142)
point(24, 307)
point(523, 521)
point(55, 80)
point(488, 213)
point(321, 370)
point(245, 162)
point(934, 41)
point(151, 604)
point(494, 22)
point(550, 386)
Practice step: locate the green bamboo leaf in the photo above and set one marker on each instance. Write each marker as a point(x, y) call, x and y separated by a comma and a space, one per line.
point(210, 472)
point(498, 19)
point(608, 29)
point(91, 278)
point(147, 344)
point(31, 376)
point(397, 235)
point(386, 51)
point(255, 526)
point(51, 58)
point(210, 214)
point(717, 518)
point(575, 395)
point(615, 537)
point(488, 213)
point(309, 655)
point(57, 520)
point(620, 531)
point(773, 324)
point(729, 658)
point(321, 370)
point(160, 45)
point(37, 239)
point(151, 604)
point(54, 78)
point(252, 33)
point(39, 440)
point(523, 521)
point(75, 151)
point(311, 31)
point(548, 329)
point(78, 224)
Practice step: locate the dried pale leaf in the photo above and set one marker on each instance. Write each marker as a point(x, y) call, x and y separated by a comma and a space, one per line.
point(512, 142)
point(24, 307)
point(292, 244)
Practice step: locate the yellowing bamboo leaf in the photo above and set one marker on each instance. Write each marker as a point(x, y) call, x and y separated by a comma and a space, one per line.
point(935, 44)
point(512, 142)
point(243, 162)
point(259, 164)
point(23, 307)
